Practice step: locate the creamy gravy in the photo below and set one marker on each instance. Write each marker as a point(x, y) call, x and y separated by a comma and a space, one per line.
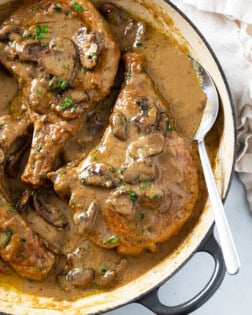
point(175, 78)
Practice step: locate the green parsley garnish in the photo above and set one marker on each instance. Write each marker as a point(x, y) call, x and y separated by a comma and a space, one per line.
point(39, 92)
point(22, 255)
point(68, 103)
point(155, 197)
point(28, 36)
point(93, 54)
point(113, 240)
point(139, 44)
point(144, 69)
point(38, 148)
point(41, 175)
point(142, 215)
point(122, 169)
point(169, 128)
point(112, 170)
point(41, 31)
point(104, 269)
point(9, 234)
point(83, 69)
point(104, 20)
point(62, 84)
point(132, 196)
point(1, 202)
point(77, 7)
point(44, 44)
point(11, 209)
point(122, 122)
point(3, 126)
point(57, 8)
point(127, 77)
point(67, 12)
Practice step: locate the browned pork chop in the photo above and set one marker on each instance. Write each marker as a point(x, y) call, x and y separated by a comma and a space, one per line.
point(140, 185)
point(19, 246)
point(65, 59)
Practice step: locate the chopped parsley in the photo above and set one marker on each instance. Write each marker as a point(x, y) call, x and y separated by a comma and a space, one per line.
point(93, 54)
point(28, 36)
point(146, 185)
point(11, 209)
point(23, 256)
point(132, 196)
point(3, 126)
point(41, 175)
point(113, 240)
point(127, 77)
point(8, 234)
point(142, 216)
point(155, 197)
point(77, 7)
point(68, 103)
point(1, 202)
point(169, 128)
point(122, 122)
point(104, 269)
point(38, 148)
point(57, 8)
point(67, 12)
point(139, 44)
point(62, 84)
point(144, 69)
point(122, 169)
point(83, 69)
point(56, 82)
point(104, 20)
point(112, 170)
point(41, 31)
point(40, 92)
point(44, 44)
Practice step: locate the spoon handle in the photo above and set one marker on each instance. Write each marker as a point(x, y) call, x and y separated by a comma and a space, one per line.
point(226, 240)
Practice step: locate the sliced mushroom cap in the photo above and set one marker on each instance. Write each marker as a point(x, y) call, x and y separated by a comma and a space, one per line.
point(59, 59)
point(99, 174)
point(32, 51)
point(89, 46)
point(85, 219)
point(52, 213)
point(81, 277)
point(148, 115)
point(138, 172)
point(108, 279)
point(112, 13)
point(152, 197)
point(118, 124)
point(22, 203)
point(146, 146)
point(9, 29)
point(122, 201)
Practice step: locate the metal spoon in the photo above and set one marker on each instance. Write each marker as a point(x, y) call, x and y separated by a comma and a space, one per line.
point(207, 121)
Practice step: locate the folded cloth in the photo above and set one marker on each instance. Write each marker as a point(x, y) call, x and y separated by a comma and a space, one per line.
point(225, 26)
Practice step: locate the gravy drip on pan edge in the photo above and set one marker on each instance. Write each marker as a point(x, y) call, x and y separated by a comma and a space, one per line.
point(108, 268)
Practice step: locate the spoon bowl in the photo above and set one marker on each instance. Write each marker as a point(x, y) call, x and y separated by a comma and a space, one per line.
point(208, 119)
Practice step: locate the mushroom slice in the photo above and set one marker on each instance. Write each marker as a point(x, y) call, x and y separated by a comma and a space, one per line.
point(138, 172)
point(118, 124)
point(81, 277)
point(99, 174)
point(146, 146)
point(59, 59)
point(85, 219)
point(89, 45)
point(122, 201)
point(51, 211)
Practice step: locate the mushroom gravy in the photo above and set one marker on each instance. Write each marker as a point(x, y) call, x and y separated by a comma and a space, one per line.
point(84, 264)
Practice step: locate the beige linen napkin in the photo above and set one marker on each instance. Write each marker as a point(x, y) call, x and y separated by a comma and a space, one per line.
point(225, 26)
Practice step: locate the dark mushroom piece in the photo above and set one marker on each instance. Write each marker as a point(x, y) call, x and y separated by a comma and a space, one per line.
point(52, 213)
point(112, 13)
point(32, 51)
point(138, 172)
point(7, 30)
point(12, 165)
point(122, 201)
point(81, 277)
point(89, 45)
point(146, 146)
point(118, 124)
point(99, 174)
point(85, 219)
point(22, 203)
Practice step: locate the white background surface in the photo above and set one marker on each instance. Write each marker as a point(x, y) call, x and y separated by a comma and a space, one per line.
point(234, 297)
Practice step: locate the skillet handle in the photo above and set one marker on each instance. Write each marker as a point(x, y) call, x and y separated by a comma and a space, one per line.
point(152, 302)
